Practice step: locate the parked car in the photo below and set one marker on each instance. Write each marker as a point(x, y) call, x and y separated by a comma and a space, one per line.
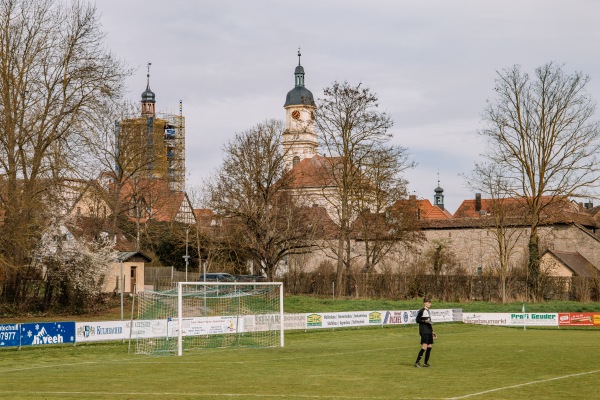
point(217, 277)
point(251, 278)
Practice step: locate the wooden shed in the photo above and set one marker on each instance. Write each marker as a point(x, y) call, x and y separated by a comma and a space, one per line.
point(130, 266)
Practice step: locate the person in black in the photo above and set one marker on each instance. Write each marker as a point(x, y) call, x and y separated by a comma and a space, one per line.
point(426, 332)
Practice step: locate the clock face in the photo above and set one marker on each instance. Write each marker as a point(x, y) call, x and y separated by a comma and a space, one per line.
point(296, 114)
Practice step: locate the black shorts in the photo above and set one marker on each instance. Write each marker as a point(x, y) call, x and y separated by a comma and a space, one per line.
point(427, 338)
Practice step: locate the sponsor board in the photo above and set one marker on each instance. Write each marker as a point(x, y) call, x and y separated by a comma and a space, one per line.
point(441, 315)
point(211, 325)
point(43, 333)
point(579, 319)
point(96, 331)
point(409, 316)
point(399, 317)
point(339, 319)
point(265, 322)
point(262, 322)
point(9, 335)
point(294, 321)
point(148, 328)
point(511, 319)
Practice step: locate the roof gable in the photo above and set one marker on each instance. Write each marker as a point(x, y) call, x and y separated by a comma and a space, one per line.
point(161, 203)
point(575, 262)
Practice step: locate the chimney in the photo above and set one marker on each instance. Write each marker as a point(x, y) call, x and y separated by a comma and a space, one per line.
point(589, 205)
point(412, 197)
point(477, 202)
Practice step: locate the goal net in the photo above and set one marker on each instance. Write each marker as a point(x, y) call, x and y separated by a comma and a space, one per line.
point(209, 314)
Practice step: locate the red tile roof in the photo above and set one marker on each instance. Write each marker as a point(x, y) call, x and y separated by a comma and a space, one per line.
point(425, 210)
point(163, 203)
point(316, 171)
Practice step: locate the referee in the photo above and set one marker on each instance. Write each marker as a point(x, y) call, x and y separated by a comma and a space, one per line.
point(426, 332)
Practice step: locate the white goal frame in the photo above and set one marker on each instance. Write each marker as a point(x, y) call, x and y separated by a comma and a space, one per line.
point(180, 313)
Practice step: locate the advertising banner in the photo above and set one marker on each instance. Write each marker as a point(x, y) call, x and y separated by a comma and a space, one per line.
point(486, 318)
point(441, 315)
point(211, 325)
point(511, 319)
point(294, 321)
point(409, 316)
point(149, 328)
point(9, 335)
point(399, 317)
point(579, 319)
point(343, 319)
point(43, 333)
point(96, 331)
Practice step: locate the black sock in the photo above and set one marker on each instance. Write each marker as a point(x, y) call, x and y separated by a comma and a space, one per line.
point(420, 355)
point(427, 355)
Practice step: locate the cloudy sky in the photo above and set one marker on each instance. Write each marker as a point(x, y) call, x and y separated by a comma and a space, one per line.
point(432, 63)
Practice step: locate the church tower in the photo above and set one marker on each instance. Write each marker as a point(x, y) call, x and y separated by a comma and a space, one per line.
point(299, 138)
point(148, 98)
point(438, 198)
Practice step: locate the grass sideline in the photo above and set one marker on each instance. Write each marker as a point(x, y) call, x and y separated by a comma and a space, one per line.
point(468, 362)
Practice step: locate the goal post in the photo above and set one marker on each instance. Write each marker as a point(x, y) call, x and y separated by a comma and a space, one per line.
point(211, 314)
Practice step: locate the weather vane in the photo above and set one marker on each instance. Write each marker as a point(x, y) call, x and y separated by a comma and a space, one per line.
point(299, 55)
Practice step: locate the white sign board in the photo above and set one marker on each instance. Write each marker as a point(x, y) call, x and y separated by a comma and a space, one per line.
point(512, 319)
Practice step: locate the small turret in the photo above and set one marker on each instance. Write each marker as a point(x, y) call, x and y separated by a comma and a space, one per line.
point(148, 98)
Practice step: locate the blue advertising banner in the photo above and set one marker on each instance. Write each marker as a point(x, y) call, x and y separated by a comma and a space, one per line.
point(9, 335)
point(42, 333)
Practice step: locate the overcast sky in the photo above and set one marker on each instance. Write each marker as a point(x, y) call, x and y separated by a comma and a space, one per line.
point(432, 63)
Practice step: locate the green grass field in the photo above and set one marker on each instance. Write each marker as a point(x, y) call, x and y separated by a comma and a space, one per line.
point(468, 362)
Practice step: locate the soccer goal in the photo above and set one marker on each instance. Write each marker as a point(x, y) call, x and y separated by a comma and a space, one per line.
point(209, 314)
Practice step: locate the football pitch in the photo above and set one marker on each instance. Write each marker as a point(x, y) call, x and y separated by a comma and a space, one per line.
point(467, 362)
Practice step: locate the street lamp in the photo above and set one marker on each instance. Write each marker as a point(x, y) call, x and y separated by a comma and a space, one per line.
point(121, 283)
point(186, 257)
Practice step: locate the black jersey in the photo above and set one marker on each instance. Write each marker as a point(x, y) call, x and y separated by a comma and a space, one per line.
point(424, 321)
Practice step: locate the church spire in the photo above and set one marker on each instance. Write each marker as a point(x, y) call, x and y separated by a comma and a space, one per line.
point(438, 198)
point(148, 97)
point(299, 72)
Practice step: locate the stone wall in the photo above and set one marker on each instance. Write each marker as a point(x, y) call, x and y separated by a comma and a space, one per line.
point(476, 249)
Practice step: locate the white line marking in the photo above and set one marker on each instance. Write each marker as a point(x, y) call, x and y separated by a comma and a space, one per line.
point(524, 384)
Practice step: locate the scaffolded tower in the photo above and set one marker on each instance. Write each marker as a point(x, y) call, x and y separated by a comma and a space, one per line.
point(175, 149)
point(163, 136)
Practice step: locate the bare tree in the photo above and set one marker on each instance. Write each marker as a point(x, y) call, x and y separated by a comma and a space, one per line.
point(258, 217)
point(118, 149)
point(54, 73)
point(379, 226)
point(504, 216)
point(539, 129)
point(350, 129)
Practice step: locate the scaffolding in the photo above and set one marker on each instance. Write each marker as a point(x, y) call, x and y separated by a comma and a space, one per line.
point(174, 137)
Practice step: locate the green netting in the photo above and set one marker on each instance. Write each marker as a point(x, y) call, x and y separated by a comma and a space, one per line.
point(214, 315)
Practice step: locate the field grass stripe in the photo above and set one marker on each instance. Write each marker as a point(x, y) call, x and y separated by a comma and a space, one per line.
point(243, 395)
point(524, 384)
